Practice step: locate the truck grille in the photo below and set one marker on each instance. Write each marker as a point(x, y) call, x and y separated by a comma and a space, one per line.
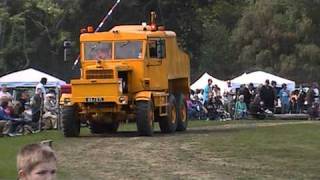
point(99, 74)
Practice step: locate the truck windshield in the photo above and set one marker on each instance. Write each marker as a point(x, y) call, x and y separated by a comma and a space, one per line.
point(98, 50)
point(128, 50)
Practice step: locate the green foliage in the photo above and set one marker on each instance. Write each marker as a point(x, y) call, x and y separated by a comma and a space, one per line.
point(223, 37)
point(217, 21)
point(4, 16)
point(279, 36)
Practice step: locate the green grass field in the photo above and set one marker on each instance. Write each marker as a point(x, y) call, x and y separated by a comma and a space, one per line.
point(285, 152)
point(280, 152)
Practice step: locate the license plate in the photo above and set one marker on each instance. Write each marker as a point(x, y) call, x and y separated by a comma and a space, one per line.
point(94, 99)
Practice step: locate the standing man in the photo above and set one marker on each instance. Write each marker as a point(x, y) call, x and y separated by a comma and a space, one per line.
point(40, 87)
point(246, 94)
point(216, 90)
point(252, 92)
point(313, 94)
point(301, 99)
point(284, 99)
point(316, 92)
point(275, 92)
point(267, 95)
point(206, 90)
point(38, 101)
point(229, 95)
point(313, 100)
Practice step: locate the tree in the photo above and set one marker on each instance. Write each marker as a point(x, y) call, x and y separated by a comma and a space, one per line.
point(222, 37)
point(278, 36)
point(217, 22)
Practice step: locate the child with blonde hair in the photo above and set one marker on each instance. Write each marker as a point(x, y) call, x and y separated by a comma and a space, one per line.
point(36, 162)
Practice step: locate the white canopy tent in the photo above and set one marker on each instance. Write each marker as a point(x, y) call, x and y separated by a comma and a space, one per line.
point(259, 77)
point(29, 78)
point(203, 81)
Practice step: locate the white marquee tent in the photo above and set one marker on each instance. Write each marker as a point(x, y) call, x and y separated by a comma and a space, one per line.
point(29, 78)
point(203, 81)
point(259, 77)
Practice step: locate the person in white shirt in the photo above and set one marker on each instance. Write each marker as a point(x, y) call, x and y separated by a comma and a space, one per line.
point(316, 92)
point(40, 87)
point(229, 96)
point(201, 96)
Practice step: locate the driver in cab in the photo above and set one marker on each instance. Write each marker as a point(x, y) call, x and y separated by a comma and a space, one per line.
point(103, 53)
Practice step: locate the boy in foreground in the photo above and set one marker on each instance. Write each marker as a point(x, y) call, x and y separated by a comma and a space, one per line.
point(36, 162)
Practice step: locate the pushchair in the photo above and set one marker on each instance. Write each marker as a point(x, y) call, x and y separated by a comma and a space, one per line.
point(313, 110)
point(196, 110)
point(222, 114)
point(258, 110)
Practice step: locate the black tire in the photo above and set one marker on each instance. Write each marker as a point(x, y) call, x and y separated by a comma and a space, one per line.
point(112, 127)
point(70, 121)
point(182, 114)
point(97, 128)
point(168, 124)
point(145, 117)
point(100, 128)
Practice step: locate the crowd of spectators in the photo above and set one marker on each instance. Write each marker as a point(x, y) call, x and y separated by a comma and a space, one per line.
point(28, 112)
point(258, 102)
point(207, 104)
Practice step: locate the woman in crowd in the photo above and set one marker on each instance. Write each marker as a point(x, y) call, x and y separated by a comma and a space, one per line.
point(241, 108)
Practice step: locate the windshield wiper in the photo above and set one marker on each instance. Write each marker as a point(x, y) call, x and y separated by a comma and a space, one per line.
point(124, 44)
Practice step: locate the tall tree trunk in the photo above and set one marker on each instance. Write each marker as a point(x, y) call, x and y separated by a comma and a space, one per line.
point(2, 28)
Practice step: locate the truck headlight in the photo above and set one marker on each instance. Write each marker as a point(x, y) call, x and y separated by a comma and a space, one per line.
point(123, 99)
point(67, 101)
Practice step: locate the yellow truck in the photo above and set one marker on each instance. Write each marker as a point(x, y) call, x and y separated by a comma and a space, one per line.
point(134, 72)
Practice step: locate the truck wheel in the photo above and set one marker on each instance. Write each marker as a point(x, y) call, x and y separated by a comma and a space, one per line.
point(70, 121)
point(145, 117)
point(182, 116)
point(168, 124)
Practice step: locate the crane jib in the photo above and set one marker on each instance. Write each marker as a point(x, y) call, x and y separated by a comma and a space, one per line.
point(107, 16)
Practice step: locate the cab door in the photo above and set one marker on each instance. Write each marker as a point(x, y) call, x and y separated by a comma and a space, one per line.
point(155, 65)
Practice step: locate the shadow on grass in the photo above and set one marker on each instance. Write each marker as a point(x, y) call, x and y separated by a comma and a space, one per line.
point(196, 129)
point(128, 134)
point(215, 130)
point(124, 134)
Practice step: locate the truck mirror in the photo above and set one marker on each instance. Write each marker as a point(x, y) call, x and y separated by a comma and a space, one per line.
point(67, 48)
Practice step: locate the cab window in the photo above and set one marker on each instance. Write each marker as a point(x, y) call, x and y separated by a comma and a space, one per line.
point(98, 50)
point(157, 48)
point(128, 50)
